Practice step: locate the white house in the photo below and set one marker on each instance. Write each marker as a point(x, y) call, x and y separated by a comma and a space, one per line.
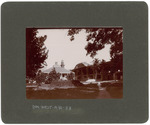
point(59, 69)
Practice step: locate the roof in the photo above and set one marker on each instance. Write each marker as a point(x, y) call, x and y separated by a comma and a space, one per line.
point(85, 63)
point(80, 65)
point(58, 70)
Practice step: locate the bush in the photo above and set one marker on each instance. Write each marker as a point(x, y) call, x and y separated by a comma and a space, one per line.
point(77, 83)
point(52, 76)
point(40, 77)
point(70, 76)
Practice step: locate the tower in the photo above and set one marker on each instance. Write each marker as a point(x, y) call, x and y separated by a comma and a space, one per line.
point(62, 64)
point(56, 64)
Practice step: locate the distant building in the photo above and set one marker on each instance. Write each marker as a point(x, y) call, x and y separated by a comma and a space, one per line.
point(84, 71)
point(59, 69)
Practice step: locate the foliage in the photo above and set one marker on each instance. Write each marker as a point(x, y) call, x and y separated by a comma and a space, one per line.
point(70, 76)
point(52, 76)
point(97, 38)
point(36, 52)
point(106, 67)
point(96, 66)
point(40, 77)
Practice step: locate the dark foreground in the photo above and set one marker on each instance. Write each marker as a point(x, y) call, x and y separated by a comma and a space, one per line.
point(78, 92)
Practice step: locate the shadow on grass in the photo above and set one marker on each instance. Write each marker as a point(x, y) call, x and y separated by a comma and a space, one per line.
point(79, 91)
point(70, 93)
point(115, 90)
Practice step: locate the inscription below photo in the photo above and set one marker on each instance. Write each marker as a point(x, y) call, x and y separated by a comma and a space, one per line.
point(74, 63)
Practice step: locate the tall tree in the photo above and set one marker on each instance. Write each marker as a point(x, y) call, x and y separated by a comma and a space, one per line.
point(36, 52)
point(97, 38)
point(96, 65)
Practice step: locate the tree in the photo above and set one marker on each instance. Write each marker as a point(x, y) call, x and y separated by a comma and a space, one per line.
point(70, 76)
point(40, 77)
point(36, 52)
point(96, 65)
point(97, 38)
point(52, 76)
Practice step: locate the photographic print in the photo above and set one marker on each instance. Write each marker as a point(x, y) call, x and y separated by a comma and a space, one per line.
point(86, 62)
point(74, 63)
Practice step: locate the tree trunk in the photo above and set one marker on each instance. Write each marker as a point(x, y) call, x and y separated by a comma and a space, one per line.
point(96, 75)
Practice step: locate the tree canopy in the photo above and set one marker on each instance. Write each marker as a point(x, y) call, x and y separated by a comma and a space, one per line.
point(36, 52)
point(97, 38)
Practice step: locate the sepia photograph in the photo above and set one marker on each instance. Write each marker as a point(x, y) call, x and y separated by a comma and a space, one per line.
point(74, 63)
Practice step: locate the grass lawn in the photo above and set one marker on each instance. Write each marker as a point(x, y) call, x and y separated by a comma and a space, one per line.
point(67, 90)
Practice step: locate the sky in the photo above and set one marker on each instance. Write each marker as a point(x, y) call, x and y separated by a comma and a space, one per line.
point(71, 52)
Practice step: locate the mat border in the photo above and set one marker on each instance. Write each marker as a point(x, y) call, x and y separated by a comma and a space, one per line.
point(132, 16)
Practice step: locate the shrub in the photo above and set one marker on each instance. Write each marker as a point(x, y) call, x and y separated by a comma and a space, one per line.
point(70, 76)
point(77, 83)
point(52, 76)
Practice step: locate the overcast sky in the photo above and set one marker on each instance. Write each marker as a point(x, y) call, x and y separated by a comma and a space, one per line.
point(72, 52)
